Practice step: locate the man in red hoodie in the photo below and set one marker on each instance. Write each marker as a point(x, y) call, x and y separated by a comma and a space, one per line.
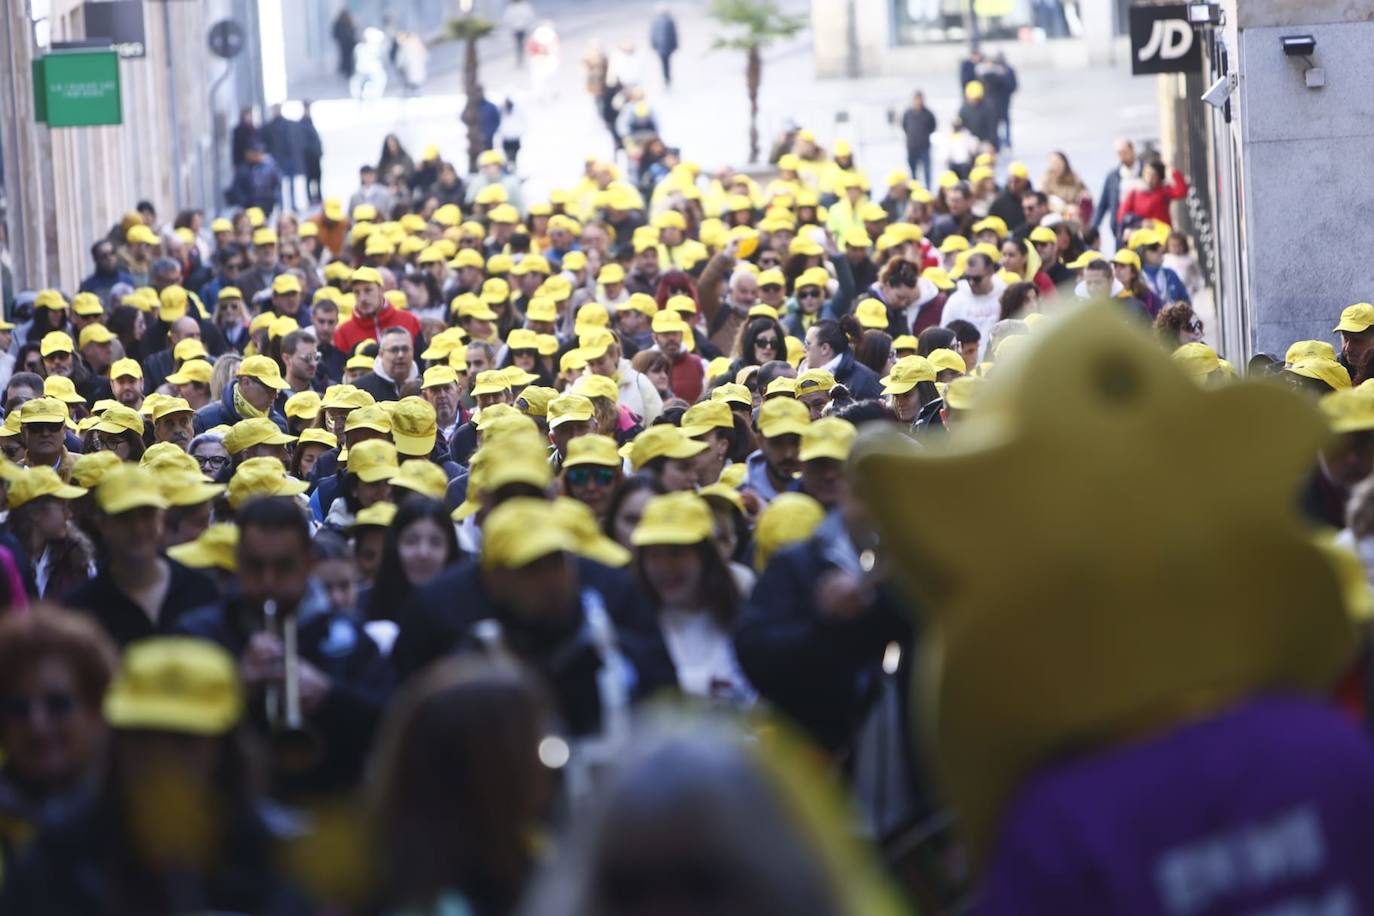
point(687, 371)
point(372, 314)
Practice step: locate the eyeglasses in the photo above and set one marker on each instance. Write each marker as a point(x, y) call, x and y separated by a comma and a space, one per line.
point(397, 351)
point(769, 342)
point(1195, 326)
point(212, 462)
point(56, 705)
point(810, 292)
point(582, 475)
point(43, 427)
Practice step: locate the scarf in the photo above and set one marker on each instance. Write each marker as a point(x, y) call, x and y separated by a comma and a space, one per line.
point(244, 409)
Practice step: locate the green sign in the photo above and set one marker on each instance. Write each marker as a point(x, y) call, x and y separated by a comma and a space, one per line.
point(77, 89)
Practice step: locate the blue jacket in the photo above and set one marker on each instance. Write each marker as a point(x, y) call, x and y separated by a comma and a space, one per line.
point(1166, 285)
point(222, 412)
point(663, 34)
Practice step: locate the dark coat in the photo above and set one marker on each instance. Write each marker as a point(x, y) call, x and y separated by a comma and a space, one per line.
point(286, 142)
point(918, 124)
point(663, 34)
point(222, 412)
point(125, 621)
point(981, 120)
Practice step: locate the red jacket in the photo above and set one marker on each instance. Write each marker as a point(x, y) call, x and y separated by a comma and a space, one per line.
point(1148, 204)
point(359, 328)
point(687, 377)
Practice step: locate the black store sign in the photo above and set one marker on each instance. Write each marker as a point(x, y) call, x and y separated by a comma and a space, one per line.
point(1162, 40)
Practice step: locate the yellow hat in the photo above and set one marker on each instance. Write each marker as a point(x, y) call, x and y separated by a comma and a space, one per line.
point(193, 370)
point(141, 235)
point(660, 442)
point(727, 492)
point(94, 333)
point(280, 327)
point(610, 274)
point(732, 393)
point(469, 306)
point(1083, 260)
point(1308, 349)
point(585, 537)
point(781, 386)
point(945, 359)
point(904, 342)
point(264, 369)
point(684, 304)
point(541, 308)
point(1143, 237)
point(805, 246)
point(216, 548)
point(255, 431)
point(783, 416)
point(789, 519)
point(346, 396)
point(907, 373)
point(962, 393)
point(265, 237)
point(43, 410)
point(120, 419)
point(547, 344)
point(993, 223)
point(569, 408)
point(490, 381)
point(518, 456)
point(534, 400)
point(90, 468)
point(669, 321)
point(1126, 256)
point(318, 436)
point(1348, 411)
point(591, 316)
point(414, 426)
point(185, 487)
point(190, 348)
point(1354, 319)
point(422, 476)
point(531, 264)
point(872, 315)
point(126, 368)
point(173, 303)
point(166, 456)
point(1197, 359)
point(87, 305)
point(522, 339)
point(284, 284)
point(721, 364)
point(175, 684)
point(1323, 370)
point(594, 343)
point(572, 361)
point(61, 387)
point(438, 376)
point(366, 275)
point(167, 406)
point(702, 417)
point(1043, 235)
point(814, 276)
point(373, 461)
point(828, 437)
point(814, 380)
point(40, 481)
point(369, 416)
point(771, 277)
point(442, 345)
point(596, 386)
point(377, 515)
point(127, 488)
point(593, 449)
point(521, 531)
point(55, 342)
point(674, 518)
point(303, 405)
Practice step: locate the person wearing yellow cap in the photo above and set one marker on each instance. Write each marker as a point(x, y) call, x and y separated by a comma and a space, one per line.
point(1356, 328)
point(977, 299)
point(1135, 295)
point(604, 354)
point(371, 466)
point(59, 555)
point(687, 371)
point(43, 427)
point(693, 594)
point(372, 313)
point(824, 450)
point(1167, 286)
point(591, 471)
point(1345, 460)
point(443, 388)
point(95, 342)
point(773, 468)
point(253, 393)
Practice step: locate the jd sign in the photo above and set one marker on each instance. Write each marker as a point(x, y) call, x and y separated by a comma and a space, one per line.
point(1163, 41)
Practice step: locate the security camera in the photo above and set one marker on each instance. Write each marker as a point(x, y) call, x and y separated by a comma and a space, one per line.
point(1204, 14)
point(1298, 45)
point(1221, 91)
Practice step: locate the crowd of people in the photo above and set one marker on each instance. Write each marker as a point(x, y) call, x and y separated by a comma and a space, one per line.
point(370, 534)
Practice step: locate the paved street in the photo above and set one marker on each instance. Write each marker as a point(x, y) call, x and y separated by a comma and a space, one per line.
point(1078, 111)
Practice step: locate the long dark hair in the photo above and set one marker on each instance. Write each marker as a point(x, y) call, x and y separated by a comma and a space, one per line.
point(874, 349)
point(749, 332)
point(123, 319)
point(457, 785)
point(392, 589)
point(1014, 299)
point(627, 488)
point(674, 283)
point(838, 334)
point(717, 586)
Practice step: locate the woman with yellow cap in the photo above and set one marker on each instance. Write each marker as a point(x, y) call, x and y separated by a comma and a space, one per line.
point(62, 557)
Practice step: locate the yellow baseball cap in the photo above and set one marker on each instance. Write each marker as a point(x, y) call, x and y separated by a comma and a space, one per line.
point(962, 393)
point(828, 437)
point(541, 308)
point(783, 386)
point(369, 416)
point(319, 437)
point(1084, 259)
point(783, 416)
point(120, 419)
point(377, 515)
point(366, 275)
point(190, 348)
point(346, 396)
point(1348, 411)
point(55, 342)
point(175, 684)
point(438, 376)
point(40, 481)
point(127, 488)
point(904, 342)
point(1126, 256)
point(515, 376)
point(127, 368)
point(789, 519)
point(193, 370)
point(732, 393)
point(43, 410)
point(94, 333)
point(186, 487)
point(283, 284)
point(216, 548)
point(591, 316)
point(61, 387)
point(303, 405)
point(1043, 235)
point(907, 373)
point(255, 431)
point(596, 386)
point(90, 468)
point(517, 457)
point(495, 290)
point(669, 321)
point(594, 449)
point(569, 408)
point(490, 381)
point(945, 359)
point(173, 303)
point(373, 461)
point(469, 306)
point(520, 531)
point(534, 400)
point(422, 476)
point(1354, 319)
point(414, 426)
point(1197, 359)
point(701, 418)
point(680, 303)
point(1308, 349)
point(660, 442)
point(165, 456)
point(264, 369)
point(585, 537)
point(674, 518)
point(1323, 370)
point(610, 274)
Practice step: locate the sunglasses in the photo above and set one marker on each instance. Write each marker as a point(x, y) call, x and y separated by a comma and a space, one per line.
point(212, 461)
point(55, 705)
point(1195, 326)
point(809, 293)
point(769, 342)
point(582, 475)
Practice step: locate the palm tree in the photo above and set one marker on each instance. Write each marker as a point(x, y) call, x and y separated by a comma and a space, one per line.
point(753, 25)
point(471, 29)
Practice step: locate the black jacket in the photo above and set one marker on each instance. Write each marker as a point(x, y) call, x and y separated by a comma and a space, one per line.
point(861, 381)
point(222, 412)
point(381, 389)
point(918, 125)
point(437, 622)
point(125, 621)
point(347, 718)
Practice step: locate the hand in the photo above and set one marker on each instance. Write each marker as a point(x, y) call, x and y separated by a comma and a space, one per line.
point(262, 661)
point(731, 249)
point(841, 595)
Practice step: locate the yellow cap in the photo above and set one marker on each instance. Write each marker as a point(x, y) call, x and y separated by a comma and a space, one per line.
point(572, 361)
point(828, 437)
point(377, 515)
point(165, 456)
point(262, 477)
point(173, 303)
point(1348, 411)
point(1308, 349)
point(814, 380)
point(789, 519)
point(366, 275)
point(127, 488)
point(119, 419)
point(61, 387)
point(872, 315)
point(1197, 359)
point(1323, 370)
point(175, 684)
point(255, 431)
point(280, 327)
point(596, 386)
point(264, 369)
point(90, 468)
point(421, 476)
point(680, 303)
point(317, 436)
point(534, 400)
point(993, 223)
point(40, 481)
point(1354, 319)
point(469, 306)
point(521, 531)
point(43, 410)
point(660, 442)
point(907, 373)
point(783, 416)
point(55, 342)
point(485, 417)
point(610, 274)
point(286, 283)
point(167, 406)
point(346, 397)
point(782, 385)
point(962, 393)
point(585, 537)
point(438, 376)
point(185, 487)
point(373, 461)
point(414, 426)
point(193, 370)
point(303, 405)
point(490, 381)
point(95, 333)
point(674, 518)
point(944, 359)
point(141, 235)
point(190, 348)
point(732, 393)
point(701, 418)
point(541, 308)
point(904, 342)
point(669, 321)
point(569, 408)
point(1083, 260)
point(593, 449)
point(1126, 256)
point(216, 548)
point(727, 492)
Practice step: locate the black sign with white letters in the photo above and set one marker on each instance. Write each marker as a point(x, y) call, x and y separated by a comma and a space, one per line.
point(1162, 40)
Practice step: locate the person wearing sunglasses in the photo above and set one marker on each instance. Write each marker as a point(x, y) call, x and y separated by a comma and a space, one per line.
point(1165, 284)
point(1178, 324)
point(761, 340)
point(591, 472)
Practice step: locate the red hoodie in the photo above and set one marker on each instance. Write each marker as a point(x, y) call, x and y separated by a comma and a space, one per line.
point(359, 328)
point(1154, 204)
